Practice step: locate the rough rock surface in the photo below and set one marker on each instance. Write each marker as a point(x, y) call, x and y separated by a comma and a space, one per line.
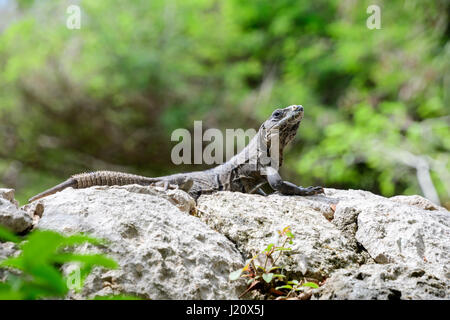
point(7, 249)
point(383, 281)
point(14, 219)
point(11, 216)
point(163, 252)
point(358, 244)
point(406, 230)
point(252, 222)
point(365, 246)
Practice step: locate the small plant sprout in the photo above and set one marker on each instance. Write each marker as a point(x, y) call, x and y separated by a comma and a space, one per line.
point(294, 286)
point(265, 275)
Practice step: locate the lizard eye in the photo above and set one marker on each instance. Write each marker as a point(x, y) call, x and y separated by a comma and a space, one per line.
point(276, 113)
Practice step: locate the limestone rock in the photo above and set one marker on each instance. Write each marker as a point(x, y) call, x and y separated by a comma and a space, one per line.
point(11, 216)
point(8, 194)
point(163, 252)
point(401, 244)
point(383, 282)
point(7, 249)
point(357, 244)
point(394, 232)
point(252, 222)
point(417, 201)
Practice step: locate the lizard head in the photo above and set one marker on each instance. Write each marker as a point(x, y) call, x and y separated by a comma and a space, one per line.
point(282, 125)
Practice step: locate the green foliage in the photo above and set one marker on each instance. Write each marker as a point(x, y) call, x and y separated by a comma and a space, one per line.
point(264, 274)
point(6, 235)
point(35, 270)
point(109, 95)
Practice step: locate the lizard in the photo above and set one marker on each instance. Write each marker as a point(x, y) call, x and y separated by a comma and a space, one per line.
point(248, 171)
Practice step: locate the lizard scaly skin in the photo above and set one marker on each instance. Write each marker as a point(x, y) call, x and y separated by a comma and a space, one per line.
point(255, 166)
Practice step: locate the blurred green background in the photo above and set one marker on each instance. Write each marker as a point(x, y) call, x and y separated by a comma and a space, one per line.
point(108, 96)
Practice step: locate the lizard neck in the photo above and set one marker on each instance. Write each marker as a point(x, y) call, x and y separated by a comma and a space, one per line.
point(256, 154)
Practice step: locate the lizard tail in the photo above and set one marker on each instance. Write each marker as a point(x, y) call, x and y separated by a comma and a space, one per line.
point(99, 178)
point(66, 184)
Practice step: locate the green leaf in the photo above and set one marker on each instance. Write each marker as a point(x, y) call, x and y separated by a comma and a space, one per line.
point(7, 235)
point(261, 267)
point(274, 268)
point(40, 246)
point(270, 246)
point(310, 284)
point(40, 254)
point(49, 277)
point(283, 249)
point(267, 277)
point(13, 262)
point(286, 286)
point(235, 274)
point(9, 292)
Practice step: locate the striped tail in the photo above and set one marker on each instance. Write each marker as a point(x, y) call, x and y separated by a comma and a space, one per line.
point(98, 178)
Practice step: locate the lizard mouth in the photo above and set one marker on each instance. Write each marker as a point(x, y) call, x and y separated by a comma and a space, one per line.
point(293, 117)
point(297, 114)
point(290, 122)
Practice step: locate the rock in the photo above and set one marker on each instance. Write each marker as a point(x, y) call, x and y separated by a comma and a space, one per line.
point(417, 201)
point(177, 197)
point(368, 234)
point(252, 222)
point(383, 282)
point(8, 194)
point(357, 244)
point(7, 249)
point(393, 232)
point(35, 210)
point(11, 216)
point(402, 229)
point(163, 252)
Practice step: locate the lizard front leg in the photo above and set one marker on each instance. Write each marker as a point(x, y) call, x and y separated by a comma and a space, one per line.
point(285, 187)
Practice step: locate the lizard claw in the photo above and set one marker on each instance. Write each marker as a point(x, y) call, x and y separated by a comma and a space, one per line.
point(314, 190)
